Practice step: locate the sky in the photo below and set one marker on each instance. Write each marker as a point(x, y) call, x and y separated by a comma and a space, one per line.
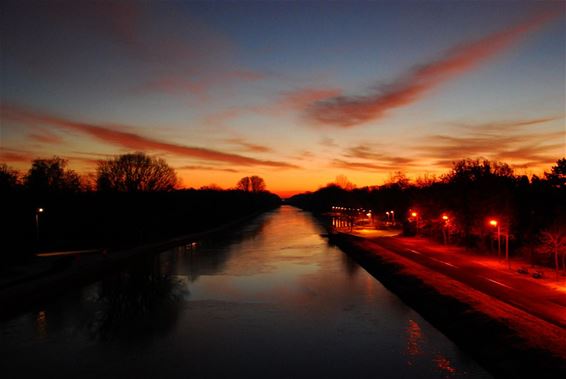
point(295, 92)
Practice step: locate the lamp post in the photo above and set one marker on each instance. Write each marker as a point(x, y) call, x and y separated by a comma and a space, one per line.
point(506, 233)
point(494, 223)
point(37, 212)
point(444, 226)
point(416, 216)
point(393, 216)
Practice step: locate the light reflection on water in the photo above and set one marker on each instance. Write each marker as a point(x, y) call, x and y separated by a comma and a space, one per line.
point(272, 299)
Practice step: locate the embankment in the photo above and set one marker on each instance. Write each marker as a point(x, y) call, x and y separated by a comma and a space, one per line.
point(24, 294)
point(506, 341)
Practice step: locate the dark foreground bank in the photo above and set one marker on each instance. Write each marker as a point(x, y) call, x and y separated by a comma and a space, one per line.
point(65, 273)
point(492, 342)
point(119, 220)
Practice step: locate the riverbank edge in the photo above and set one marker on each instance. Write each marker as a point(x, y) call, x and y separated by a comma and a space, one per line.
point(23, 295)
point(490, 341)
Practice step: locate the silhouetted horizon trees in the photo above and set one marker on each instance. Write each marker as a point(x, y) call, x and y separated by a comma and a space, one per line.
point(51, 175)
point(251, 184)
point(135, 202)
point(135, 172)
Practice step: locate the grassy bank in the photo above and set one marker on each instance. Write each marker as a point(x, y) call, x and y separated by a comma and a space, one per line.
point(506, 341)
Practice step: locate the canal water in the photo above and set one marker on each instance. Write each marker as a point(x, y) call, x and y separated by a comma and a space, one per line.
point(271, 300)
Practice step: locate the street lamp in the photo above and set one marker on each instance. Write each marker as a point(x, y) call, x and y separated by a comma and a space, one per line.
point(393, 216)
point(37, 212)
point(444, 226)
point(494, 223)
point(416, 216)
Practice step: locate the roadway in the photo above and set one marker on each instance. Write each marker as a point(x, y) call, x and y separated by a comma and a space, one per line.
point(510, 287)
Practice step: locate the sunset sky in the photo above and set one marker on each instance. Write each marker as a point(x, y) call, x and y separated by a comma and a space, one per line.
point(297, 93)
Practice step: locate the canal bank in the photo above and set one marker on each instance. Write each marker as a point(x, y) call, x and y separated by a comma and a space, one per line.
point(505, 340)
point(45, 281)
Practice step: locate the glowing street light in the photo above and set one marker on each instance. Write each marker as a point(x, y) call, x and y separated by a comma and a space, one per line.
point(445, 218)
point(393, 216)
point(496, 223)
point(37, 212)
point(416, 217)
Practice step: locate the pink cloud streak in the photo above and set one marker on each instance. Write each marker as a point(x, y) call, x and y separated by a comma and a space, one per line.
point(347, 111)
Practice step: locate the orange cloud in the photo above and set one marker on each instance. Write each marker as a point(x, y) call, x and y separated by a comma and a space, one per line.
point(133, 141)
point(347, 111)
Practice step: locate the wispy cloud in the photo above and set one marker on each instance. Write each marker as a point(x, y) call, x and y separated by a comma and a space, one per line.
point(206, 168)
point(200, 85)
point(26, 156)
point(45, 137)
point(511, 141)
point(252, 147)
point(347, 111)
point(286, 101)
point(113, 135)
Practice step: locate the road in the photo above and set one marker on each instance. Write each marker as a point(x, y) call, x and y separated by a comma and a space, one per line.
point(508, 286)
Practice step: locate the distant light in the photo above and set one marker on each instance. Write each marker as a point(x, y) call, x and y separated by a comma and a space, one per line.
point(392, 212)
point(414, 214)
point(368, 214)
point(40, 210)
point(386, 213)
point(493, 222)
point(445, 218)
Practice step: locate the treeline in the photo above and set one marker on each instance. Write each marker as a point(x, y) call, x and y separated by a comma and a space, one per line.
point(531, 211)
point(132, 200)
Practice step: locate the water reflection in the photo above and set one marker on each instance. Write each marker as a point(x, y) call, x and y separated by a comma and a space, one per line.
point(41, 324)
point(414, 339)
point(144, 298)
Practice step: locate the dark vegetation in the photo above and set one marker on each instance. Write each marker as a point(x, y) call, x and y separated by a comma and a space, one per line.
point(134, 202)
point(531, 211)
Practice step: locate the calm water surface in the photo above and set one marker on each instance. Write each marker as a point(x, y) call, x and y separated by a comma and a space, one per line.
point(270, 300)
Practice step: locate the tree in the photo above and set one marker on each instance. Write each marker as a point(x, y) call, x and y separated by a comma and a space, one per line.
point(8, 178)
point(244, 184)
point(557, 175)
point(251, 184)
point(257, 184)
point(135, 172)
point(51, 175)
point(343, 182)
point(554, 240)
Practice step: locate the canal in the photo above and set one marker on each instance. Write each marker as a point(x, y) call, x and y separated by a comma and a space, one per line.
point(271, 299)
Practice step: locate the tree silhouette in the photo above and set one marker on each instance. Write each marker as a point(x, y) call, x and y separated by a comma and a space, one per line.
point(257, 184)
point(557, 176)
point(244, 184)
point(135, 172)
point(251, 184)
point(51, 175)
point(343, 182)
point(554, 241)
point(8, 178)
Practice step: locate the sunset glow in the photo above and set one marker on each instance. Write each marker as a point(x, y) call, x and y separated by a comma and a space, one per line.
point(297, 93)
